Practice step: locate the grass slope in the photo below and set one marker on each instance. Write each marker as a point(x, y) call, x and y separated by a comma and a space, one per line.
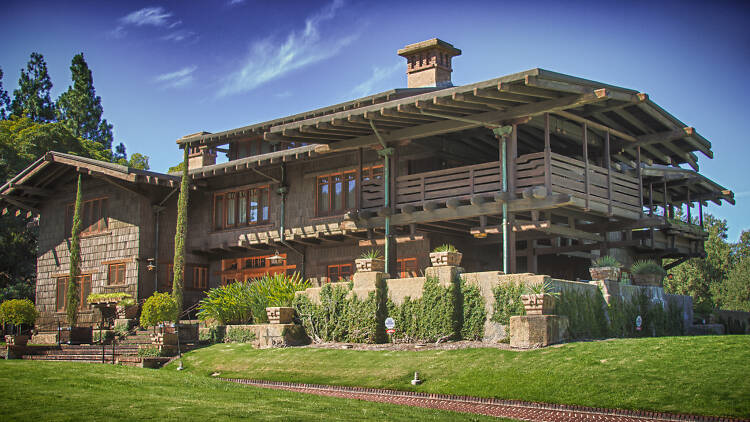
point(699, 375)
point(62, 391)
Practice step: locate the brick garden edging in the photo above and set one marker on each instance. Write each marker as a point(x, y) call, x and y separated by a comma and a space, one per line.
point(487, 406)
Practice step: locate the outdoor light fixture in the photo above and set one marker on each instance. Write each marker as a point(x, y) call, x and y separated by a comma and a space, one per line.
point(150, 266)
point(480, 235)
point(276, 259)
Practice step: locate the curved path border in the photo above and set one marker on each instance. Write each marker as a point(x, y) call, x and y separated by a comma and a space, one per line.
point(514, 409)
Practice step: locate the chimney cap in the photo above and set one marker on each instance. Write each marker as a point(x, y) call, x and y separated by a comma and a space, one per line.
point(429, 45)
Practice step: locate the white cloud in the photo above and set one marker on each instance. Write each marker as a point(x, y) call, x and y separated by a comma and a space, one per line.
point(178, 36)
point(742, 194)
point(176, 79)
point(269, 58)
point(235, 2)
point(374, 83)
point(154, 16)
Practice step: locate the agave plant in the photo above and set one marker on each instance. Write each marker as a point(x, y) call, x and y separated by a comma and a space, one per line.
point(371, 254)
point(544, 288)
point(606, 261)
point(647, 267)
point(447, 247)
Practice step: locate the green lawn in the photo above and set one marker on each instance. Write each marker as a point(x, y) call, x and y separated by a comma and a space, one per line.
point(701, 375)
point(61, 391)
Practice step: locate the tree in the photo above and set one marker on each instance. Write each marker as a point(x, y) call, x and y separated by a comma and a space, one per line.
point(733, 293)
point(160, 307)
point(32, 98)
point(179, 237)
point(119, 153)
point(17, 312)
point(80, 109)
point(138, 161)
point(4, 99)
point(75, 261)
point(18, 243)
point(695, 276)
point(176, 169)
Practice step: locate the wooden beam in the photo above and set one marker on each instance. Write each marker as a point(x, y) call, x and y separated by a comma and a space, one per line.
point(33, 190)
point(18, 203)
point(491, 117)
point(541, 226)
point(668, 136)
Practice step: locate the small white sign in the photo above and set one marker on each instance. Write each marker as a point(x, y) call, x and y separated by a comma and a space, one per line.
point(390, 323)
point(638, 323)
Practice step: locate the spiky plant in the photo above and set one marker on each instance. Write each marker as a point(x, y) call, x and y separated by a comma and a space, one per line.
point(606, 261)
point(179, 237)
point(445, 248)
point(647, 267)
point(71, 309)
point(371, 254)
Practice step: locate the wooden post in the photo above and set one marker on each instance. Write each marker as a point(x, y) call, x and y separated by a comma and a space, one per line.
point(586, 163)
point(665, 197)
point(640, 177)
point(547, 156)
point(513, 157)
point(392, 244)
point(359, 178)
point(532, 263)
point(650, 199)
point(609, 173)
point(700, 213)
point(689, 220)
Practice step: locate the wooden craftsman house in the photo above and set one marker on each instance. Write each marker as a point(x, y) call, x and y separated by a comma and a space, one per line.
point(575, 168)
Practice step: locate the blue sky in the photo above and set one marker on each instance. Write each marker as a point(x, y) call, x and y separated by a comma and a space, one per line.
point(170, 68)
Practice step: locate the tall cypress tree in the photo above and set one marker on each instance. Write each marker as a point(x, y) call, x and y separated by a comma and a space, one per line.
point(179, 237)
point(80, 109)
point(32, 98)
point(4, 99)
point(75, 261)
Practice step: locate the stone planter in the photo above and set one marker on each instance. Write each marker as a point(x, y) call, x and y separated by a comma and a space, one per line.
point(16, 340)
point(370, 264)
point(647, 279)
point(538, 304)
point(605, 273)
point(444, 259)
point(280, 315)
point(166, 339)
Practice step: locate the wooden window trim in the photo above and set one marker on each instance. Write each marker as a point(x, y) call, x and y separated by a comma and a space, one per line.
point(265, 194)
point(83, 305)
point(102, 223)
point(339, 272)
point(116, 267)
point(402, 270)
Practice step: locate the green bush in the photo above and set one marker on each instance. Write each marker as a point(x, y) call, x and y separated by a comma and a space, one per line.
point(507, 302)
point(158, 308)
point(606, 261)
point(647, 267)
point(149, 351)
point(213, 335)
point(432, 317)
point(246, 302)
point(239, 335)
point(585, 312)
point(17, 312)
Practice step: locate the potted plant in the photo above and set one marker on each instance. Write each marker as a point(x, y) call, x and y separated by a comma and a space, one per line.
point(107, 298)
point(605, 268)
point(17, 312)
point(371, 260)
point(539, 299)
point(445, 255)
point(647, 273)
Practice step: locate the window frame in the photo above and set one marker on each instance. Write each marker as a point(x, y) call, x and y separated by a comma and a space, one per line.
point(404, 265)
point(339, 271)
point(368, 173)
point(82, 280)
point(221, 211)
point(119, 281)
point(88, 225)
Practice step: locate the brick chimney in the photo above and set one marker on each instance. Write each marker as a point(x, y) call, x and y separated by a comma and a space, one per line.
point(200, 156)
point(428, 63)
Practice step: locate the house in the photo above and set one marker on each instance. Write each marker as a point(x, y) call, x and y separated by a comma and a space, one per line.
point(530, 172)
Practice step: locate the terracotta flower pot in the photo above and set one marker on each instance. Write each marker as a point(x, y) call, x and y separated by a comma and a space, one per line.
point(605, 273)
point(370, 264)
point(280, 315)
point(647, 279)
point(443, 259)
point(538, 304)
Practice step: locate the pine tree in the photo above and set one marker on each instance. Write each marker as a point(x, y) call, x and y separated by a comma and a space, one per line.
point(179, 237)
point(119, 153)
point(32, 98)
point(75, 261)
point(79, 107)
point(4, 99)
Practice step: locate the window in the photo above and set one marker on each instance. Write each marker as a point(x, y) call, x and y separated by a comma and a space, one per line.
point(166, 276)
point(116, 274)
point(339, 272)
point(243, 269)
point(241, 208)
point(84, 290)
point(337, 192)
point(200, 278)
point(93, 216)
point(407, 267)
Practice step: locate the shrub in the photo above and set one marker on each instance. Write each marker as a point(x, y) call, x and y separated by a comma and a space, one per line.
point(474, 313)
point(158, 308)
point(149, 352)
point(544, 288)
point(445, 248)
point(647, 267)
point(239, 335)
point(507, 302)
point(606, 261)
point(17, 312)
point(246, 302)
point(213, 335)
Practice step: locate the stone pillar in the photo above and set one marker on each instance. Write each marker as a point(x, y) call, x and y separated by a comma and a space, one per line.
point(533, 331)
point(445, 274)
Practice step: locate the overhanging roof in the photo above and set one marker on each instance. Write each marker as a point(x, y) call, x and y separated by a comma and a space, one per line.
point(631, 118)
